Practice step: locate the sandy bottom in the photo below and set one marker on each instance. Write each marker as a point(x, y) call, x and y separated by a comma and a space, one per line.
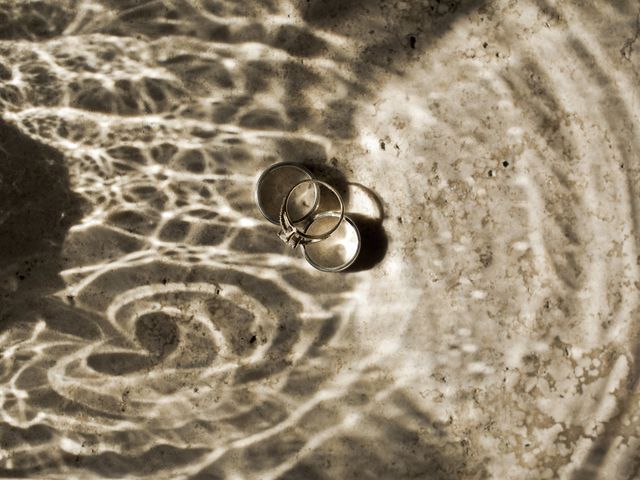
point(153, 325)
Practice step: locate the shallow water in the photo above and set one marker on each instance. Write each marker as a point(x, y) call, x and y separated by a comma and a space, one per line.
point(153, 325)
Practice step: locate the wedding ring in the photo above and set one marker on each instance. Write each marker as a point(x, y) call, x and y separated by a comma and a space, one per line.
point(290, 233)
point(337, 252)
point(288, 195)
point(274, 184)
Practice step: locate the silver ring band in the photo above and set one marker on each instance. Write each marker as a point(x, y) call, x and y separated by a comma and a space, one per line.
point(348, 262)
point(293, 236)
point(272, 215)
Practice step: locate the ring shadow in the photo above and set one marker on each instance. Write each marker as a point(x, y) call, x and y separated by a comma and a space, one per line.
point(374, 241)
point(373, 237)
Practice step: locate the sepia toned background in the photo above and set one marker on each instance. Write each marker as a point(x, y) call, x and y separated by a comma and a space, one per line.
point(152, 325)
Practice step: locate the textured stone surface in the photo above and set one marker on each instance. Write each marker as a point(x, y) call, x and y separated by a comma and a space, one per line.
point(153, 325)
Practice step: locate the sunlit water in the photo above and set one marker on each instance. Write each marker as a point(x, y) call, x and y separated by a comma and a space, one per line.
point(160, 328)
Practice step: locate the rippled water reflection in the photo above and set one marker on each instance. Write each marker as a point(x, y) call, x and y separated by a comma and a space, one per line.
point(154, 325)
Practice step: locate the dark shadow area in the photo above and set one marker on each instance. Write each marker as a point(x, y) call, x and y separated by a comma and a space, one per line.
point(374, 243)
point(37, 207)
point(33, 20)
point(298, 41)
point(331, 174)
point(329, 13)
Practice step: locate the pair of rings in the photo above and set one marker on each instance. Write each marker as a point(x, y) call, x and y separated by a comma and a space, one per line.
point(311, 214)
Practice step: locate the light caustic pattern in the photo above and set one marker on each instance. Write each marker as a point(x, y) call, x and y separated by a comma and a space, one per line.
point(180, 340)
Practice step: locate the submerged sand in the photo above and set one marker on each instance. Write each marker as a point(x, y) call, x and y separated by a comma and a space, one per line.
point(153, 325)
